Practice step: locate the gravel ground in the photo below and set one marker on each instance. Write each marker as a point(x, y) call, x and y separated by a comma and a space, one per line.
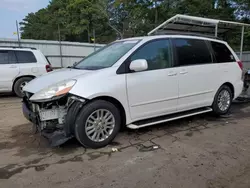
point(201, 151)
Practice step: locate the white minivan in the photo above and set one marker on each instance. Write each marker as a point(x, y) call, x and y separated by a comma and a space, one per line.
point(134, 83)
point(20, 65)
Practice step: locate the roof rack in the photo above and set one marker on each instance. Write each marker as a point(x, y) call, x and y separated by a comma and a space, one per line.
point(185, 33)
point(18, 47)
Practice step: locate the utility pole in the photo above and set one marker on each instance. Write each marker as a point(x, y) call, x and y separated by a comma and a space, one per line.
point(18, 36)
point(60, 44)
point(242, 42)
point(94, 39)
point(89, 38)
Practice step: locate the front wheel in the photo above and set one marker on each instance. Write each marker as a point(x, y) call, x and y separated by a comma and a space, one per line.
point(223, 100)
point(97, 124)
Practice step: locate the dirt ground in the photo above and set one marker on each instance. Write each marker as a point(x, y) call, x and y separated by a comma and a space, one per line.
point(201, 151)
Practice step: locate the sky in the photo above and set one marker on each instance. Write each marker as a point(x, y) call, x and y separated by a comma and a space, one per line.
point(12, 10)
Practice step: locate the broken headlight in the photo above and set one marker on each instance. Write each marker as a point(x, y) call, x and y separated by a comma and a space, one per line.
point(55, 90)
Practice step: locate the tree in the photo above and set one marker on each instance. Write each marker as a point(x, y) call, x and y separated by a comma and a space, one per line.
point(78, 20)
point(35, 25)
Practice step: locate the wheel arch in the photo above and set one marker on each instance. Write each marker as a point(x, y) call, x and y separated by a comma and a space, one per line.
point(23, 76)
point(117, 103)
point(230, 85)
point(215, 106)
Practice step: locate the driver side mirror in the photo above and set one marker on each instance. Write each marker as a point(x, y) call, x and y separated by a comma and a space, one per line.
point(139, 65)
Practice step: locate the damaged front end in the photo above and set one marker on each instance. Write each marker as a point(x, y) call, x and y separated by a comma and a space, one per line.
point(54, 118)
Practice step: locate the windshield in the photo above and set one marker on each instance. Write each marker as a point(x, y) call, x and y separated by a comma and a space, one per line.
point(107, 56)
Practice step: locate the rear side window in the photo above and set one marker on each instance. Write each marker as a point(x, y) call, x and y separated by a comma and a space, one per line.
point(25, 57)
point(7, 57)
point(222, 53)
point(192, 52)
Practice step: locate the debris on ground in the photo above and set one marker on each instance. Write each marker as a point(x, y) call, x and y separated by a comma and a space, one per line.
point(155, 147)
point(114, 149)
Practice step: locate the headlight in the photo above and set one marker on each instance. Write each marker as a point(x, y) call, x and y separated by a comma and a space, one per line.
point(54, 90)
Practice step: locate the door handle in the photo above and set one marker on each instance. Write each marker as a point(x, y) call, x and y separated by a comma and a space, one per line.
point(183, 72)
point(13, 66)
point(172, 74)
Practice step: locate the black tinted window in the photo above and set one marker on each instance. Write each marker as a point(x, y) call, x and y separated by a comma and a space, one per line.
point(222, 53)
point(157, 54)
point(12, 57)
point(4, 57)
point(25, 57)
point(192, 52)
point(7, 57)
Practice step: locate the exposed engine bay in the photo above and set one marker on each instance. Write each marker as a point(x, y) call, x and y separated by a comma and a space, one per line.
point(50, 117)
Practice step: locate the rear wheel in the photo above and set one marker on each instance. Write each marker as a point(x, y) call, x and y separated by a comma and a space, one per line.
point(19, 84)
point(97, 124)
point(223, 100)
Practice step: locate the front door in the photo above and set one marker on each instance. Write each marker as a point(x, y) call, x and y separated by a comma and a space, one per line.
point(153, 92)
point(197, 73)
point(9, 69)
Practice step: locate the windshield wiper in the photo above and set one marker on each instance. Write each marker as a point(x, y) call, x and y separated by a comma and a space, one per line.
point(91, 67)
point(72, 67)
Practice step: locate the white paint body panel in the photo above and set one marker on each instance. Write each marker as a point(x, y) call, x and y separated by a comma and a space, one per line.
point(197, 85)
point(101, 83)
point(53, 78)
point(11, 72)
point(8, 72)
point(151, 93)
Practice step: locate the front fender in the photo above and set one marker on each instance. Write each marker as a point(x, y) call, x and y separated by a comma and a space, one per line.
point(99, 85)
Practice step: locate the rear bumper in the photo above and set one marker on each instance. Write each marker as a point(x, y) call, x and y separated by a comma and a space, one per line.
point(238, 88)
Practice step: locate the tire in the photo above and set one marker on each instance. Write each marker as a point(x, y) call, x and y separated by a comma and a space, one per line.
point(71, 118)
point(88, 118)
point(19, 85)
point(223, 107)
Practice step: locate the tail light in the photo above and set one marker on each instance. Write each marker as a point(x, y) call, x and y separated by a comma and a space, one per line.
point(241, 67)
point(240, 64)
point(48, 68)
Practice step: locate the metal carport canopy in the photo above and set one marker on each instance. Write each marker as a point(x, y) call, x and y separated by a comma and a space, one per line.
point(184, 23)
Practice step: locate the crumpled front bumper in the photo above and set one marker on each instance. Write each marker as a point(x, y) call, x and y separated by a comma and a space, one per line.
point(56, 137)
point(28, 114)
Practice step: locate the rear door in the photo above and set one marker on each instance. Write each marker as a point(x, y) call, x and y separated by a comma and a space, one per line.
point(9, 69)
point(27, 62)
point(197, 73)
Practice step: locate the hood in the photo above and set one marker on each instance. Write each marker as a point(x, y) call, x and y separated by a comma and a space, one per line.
point(53, 78)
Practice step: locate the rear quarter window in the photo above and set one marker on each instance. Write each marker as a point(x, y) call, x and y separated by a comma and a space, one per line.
point(222, 53)
point(25, 57)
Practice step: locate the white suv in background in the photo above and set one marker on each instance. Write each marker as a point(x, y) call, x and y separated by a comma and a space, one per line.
point(18, 66)
point(134, 83)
